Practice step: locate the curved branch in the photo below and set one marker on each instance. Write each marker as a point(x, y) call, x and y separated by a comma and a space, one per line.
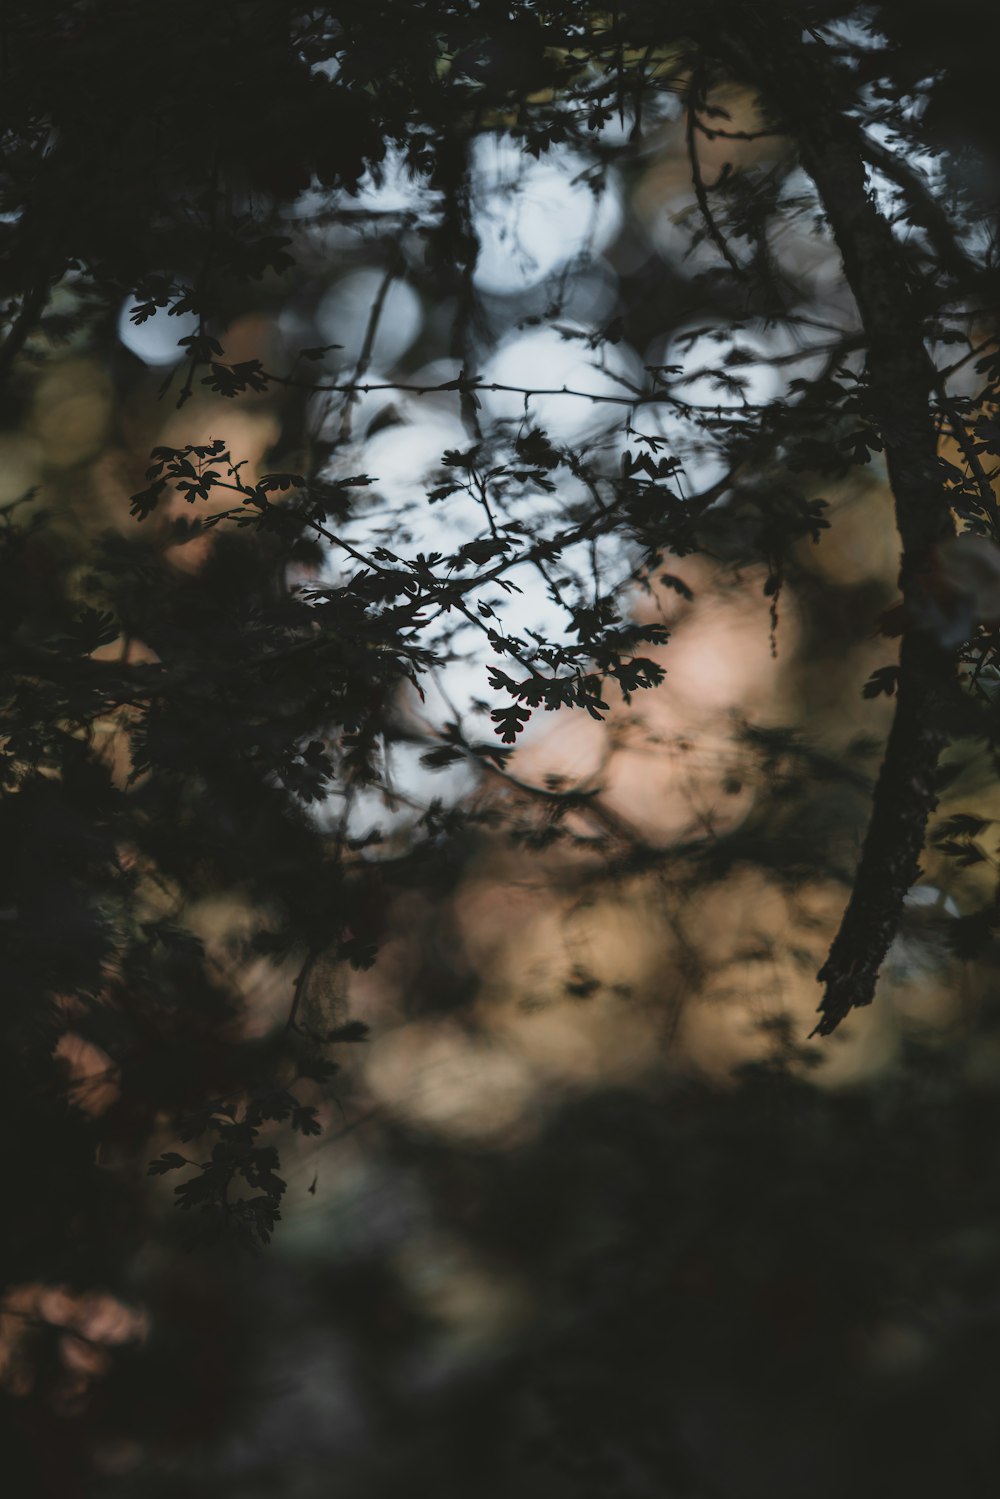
point(798, 84)
point(700, 191)
point(923, 208)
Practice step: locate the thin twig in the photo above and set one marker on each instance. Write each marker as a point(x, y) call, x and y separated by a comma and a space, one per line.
point(700, 192)
point(961, 435)
point(368, 344)
point(298, 994)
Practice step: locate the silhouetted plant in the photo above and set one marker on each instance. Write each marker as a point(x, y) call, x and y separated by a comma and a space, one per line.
point(177, 162)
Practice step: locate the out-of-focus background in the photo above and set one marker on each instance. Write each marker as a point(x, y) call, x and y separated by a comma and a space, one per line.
point(589, 1212)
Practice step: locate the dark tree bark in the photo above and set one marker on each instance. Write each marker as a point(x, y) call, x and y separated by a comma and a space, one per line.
point(798, 86)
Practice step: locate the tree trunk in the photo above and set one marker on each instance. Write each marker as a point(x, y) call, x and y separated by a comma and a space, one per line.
point(799, 87)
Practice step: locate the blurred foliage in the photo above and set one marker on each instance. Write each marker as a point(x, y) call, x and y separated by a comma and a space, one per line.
point(377, 381)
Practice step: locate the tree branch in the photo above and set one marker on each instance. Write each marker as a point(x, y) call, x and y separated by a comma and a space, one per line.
point(797, 83)
point(701, 193)
point(923, 208)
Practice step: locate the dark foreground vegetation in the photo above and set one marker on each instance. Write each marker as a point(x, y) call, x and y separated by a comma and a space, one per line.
point(499, 589)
